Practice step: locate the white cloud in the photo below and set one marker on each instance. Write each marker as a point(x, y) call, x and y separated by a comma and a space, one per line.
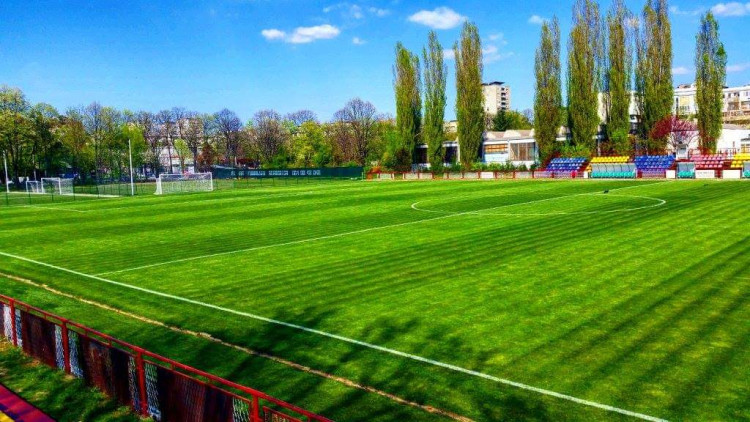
point(306, 34)
point(302, 34)
point(440, 18)
point(358, 41)
point(273, 34)
point(731, 9)
point(675, 10)
point(348, 10)
point(498, 38)
point(379, 12)
point(680, 70)
point(741, 67)
point(537, 20)
point(492, 54)
point(449, 54)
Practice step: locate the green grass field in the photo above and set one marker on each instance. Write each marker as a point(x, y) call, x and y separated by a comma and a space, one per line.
point(515, 300)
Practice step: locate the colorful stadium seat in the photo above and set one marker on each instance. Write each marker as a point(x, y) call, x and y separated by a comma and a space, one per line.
point(653, 165)
point(566, 164)
point(739, 160)
point(620, 159)
point(709, 161)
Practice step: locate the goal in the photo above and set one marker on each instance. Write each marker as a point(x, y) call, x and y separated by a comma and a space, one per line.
point(56, 186)
point(176, 183)
point(33, 186)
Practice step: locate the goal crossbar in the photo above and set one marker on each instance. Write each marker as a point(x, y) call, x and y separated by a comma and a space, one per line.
point(177, 183)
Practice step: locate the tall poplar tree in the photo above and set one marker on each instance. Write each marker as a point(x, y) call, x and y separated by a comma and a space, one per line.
point(710, 75)
point(618, 76)
point(469, 97)
point(435, 72)
point(654, 67)
point(548, 92)
point(585, 54)
point(407, 86)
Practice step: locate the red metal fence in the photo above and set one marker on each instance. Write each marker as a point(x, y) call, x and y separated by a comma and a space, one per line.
point(150, 384)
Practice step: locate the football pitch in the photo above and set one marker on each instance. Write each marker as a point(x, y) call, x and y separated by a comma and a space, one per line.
point(431, 300)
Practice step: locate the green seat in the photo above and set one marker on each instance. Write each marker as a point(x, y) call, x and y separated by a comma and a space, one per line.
point(747, 174)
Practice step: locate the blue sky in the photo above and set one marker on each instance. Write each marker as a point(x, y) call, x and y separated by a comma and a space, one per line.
point(248, 55)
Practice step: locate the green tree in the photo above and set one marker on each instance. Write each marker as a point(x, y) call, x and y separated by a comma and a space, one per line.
point(548, 108)
point(585, 53)
point(469, 96)
point(710, 75)
point(76, 143)
point(653, 76)
point(435, 72)
point(182, 150)
point(16, 130)
point(618, 76)
point(47, 152)
point(407, 86)
point(509, 120)
point(310, 148)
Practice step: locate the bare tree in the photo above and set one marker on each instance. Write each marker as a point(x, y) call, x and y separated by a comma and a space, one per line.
point(361, 118)
point(268, 135)
point(167, 129)
point(193, 136)
point(146, 122)
point(228, 127)
point(301, 116)
point(93, 121)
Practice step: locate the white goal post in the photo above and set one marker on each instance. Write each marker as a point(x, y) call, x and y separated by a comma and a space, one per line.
point(33, 186)
point(176, 183)
point(56, 185)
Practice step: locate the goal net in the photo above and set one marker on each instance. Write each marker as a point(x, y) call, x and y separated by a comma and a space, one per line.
point(176, 183)
point(33, 186)
point(57, 186)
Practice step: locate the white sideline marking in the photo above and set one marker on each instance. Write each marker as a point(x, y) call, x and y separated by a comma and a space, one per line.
point(353, 341)
point(659, 202)
point(333, 236)
point(48, 208)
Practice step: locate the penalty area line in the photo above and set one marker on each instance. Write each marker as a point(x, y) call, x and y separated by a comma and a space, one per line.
point(376, 347)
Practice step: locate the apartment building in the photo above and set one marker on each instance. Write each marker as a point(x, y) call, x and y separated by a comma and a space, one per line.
point(496, 97)
point(736, 102)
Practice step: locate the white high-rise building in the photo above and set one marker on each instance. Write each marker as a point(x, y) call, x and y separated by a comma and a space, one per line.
point(496, 97)
point(735, 102)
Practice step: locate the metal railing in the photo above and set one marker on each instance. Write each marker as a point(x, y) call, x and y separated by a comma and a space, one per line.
point(150, 384)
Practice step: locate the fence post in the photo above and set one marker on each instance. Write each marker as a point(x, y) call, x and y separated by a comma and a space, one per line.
point(66, 346)
point(256, 410)
point(140, 368)
point(14, 334)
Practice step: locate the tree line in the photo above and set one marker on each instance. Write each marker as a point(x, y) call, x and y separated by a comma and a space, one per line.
point(93, 143)
point(622, 58)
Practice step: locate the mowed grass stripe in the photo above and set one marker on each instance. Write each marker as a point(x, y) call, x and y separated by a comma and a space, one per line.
point(355, 342)
point(488, 293)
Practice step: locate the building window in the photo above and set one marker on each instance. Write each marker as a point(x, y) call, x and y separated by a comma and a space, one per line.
point(496, 149)
point(523, 152)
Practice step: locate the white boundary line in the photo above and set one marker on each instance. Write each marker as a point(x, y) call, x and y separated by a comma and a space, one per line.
point(49, 208)
point(659, 202)
point(352, 341)
point(333, 236)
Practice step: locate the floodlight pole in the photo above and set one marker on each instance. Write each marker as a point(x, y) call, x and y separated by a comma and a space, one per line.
point(130, 153)
point(7, 181)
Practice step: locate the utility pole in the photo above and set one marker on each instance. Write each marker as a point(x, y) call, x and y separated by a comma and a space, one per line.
point(7, 181)
point(130, 153)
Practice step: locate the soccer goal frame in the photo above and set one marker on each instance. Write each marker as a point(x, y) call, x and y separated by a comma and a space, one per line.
point(56, 185)
point(183, 183)
point(33, 186)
